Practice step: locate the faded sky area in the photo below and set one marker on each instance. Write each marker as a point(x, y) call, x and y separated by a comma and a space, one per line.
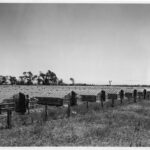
point(92, 43)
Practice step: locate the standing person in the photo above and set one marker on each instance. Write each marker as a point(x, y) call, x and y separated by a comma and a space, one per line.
point(27, 103)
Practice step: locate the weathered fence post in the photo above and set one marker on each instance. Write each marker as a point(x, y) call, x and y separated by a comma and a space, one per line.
point(113, 97)
point(103, 97)
point(45, 112)
point(148, 95)
point(87, 99)
point(28, 110)
point(135, 95)
point(68, 110)
point(129, 96)
point(121, 96)
point(102, 105)
point(112, 104)
point(20, 103)
point(87, 105)
point(144, 93)
point(0, 109)
point(9, 118)
point(73, 98)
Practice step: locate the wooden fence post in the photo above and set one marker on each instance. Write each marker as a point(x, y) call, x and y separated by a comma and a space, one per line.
point(28, 110)
point(87, 105)
point(0, 109)
point(68, 110)
point(134, 99)
point(129, 99)
point(45, 112)
point(102, 105)
point(121, 96)
point(102, 98)
point(112, 104)
point(135, 95)
point(144, 93)
point(121, 100)
point(9, 118)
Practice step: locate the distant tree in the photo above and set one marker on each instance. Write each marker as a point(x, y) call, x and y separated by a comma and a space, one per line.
point(21, 80)
point(13, 80)
point(52, 78)
point(72, 80)
point(48, 78)
point(1, 77)
point(42, 76)
point(34, 79)
point(28, 77)
point(60, 82)
point(24, 78)
point(4, 80)
point(39, 80)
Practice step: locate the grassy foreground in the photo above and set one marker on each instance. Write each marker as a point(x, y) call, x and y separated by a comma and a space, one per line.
point(126, 125)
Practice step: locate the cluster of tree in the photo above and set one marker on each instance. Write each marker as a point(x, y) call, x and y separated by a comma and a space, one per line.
point(28, 78)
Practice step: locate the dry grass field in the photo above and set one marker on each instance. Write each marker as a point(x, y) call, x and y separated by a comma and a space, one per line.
point(7, 91)
point(124, 125)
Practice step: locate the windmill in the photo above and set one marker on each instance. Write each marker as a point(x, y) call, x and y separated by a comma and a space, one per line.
point(110, 81)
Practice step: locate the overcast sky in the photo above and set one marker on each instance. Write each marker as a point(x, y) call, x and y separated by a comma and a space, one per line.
point(92, 43)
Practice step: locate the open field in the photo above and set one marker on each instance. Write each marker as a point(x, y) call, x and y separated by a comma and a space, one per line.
point(124, 125)
point(7, 91)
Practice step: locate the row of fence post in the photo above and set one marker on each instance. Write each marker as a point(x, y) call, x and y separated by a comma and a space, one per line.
point(121, 94)
point(102, 99)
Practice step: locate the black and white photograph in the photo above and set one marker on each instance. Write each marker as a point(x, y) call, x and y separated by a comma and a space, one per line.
point(74, 74)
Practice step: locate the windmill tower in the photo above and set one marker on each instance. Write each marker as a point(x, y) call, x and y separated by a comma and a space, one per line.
point(110, 81)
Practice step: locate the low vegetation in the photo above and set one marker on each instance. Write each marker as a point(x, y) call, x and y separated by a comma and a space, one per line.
point(123, 125)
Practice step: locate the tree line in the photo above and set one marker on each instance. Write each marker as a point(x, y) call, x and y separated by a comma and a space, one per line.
point(28, 78)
